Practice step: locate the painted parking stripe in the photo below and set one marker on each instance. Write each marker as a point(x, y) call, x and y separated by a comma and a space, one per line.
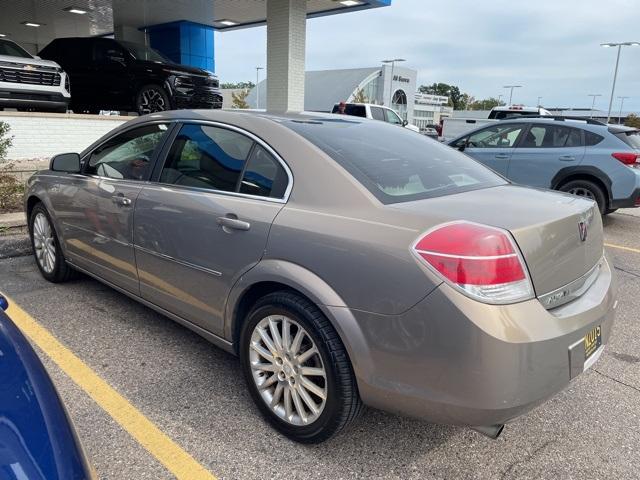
point(621, 247)
point(165, 450)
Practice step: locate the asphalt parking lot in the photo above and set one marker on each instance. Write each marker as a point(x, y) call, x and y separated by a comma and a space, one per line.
point(195, 395)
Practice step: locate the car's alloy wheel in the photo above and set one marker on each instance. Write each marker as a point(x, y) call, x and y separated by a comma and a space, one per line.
point(288, 370)
point(582, 192)
point(152, 99)
point(586, 189)
point(44, 243)
point(46, 246)
point(297, 368)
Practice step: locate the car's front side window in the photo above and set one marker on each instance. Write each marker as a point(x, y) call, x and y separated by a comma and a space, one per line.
point(127, 156)
point(206, 157)
point(392, 117)
point(498, 136)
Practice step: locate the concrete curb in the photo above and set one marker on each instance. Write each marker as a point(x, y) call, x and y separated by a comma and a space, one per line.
point(15, 245)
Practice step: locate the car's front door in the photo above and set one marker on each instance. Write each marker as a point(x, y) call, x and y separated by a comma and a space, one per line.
point(97, 215)
point(206, 220)
point(544, 150)
point(494, 145)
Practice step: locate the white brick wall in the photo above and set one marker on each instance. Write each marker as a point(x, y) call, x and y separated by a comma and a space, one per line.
point(286, 36)
point(37, 135)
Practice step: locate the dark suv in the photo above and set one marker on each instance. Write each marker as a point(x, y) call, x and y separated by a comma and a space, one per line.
point(108, 74)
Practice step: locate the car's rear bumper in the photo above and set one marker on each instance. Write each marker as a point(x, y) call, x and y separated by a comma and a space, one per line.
point(628, 202)
point(450, 359)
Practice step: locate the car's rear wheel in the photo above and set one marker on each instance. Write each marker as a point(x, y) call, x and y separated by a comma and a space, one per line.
point(297, 369)
point(587, 189)
point(46, 247)
point(151, 99)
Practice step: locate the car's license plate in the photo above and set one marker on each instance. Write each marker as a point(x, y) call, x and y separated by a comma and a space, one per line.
point(592, 342)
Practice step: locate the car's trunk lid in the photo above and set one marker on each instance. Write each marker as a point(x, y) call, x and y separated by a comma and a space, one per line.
point(560, 236)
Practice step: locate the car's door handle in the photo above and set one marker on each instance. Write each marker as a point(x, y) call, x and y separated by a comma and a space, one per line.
point(121, 200)
point(230, 221)
point(502, 156)
point(567, 158)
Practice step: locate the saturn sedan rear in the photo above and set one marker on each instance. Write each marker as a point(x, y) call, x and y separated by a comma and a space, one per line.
point(346, 262)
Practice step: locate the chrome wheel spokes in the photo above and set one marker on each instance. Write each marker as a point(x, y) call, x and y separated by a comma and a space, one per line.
point(44, 243)
point(582, 192)
point(152, 101)
point(288, 370)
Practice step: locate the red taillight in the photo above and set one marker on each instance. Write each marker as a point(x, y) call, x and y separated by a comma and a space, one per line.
point(627, 158)
point(481, 261)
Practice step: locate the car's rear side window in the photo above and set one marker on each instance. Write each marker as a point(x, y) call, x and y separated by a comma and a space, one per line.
point(591, 139)
point(631, 138)
point(395, 164)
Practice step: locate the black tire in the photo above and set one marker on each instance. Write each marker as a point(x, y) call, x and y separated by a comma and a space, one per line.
point(61, 271)
point(343, 404)
point(151, 99)
point(586, 188)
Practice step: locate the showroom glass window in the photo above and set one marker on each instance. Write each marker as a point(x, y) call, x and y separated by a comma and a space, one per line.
point(499, 136)
point(220, 159)
point(127, 156)
point(551, 136)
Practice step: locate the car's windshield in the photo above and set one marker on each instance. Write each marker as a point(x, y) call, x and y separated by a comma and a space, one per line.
point(631, 138)
point(13, 50)
point(142, 52)
point(395, 164)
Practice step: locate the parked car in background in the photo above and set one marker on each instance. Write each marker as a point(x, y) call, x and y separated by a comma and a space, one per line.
point(430, 131)
point(420, 282)
point(582, 157)
point(376, 112)
point(30, 83)
point(109, 74)
point(37, 438)
point(454, 127)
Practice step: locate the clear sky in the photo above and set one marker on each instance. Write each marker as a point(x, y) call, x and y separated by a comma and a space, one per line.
point(551, 47)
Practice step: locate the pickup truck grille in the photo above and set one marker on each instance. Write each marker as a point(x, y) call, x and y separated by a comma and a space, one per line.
point(31, 77)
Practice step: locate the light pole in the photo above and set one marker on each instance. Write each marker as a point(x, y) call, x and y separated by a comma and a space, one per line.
point(500, 98)
point(511, 92)
point(615, 72)
point(593, 104)
point(620, 114)
point(539, 98)
point(393, 64)
point(257, 88)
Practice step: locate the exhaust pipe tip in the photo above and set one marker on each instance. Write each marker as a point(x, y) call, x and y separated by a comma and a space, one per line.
point(491, 431)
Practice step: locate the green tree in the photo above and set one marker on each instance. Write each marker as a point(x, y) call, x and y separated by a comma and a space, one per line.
point(231, 85)
point(6, 141)
point(486, 104)
point(457, 99)
point(240, 99)
point(360, 97)
point(632, 120)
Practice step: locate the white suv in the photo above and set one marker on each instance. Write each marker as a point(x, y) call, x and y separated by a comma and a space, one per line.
point(376, 112)
point(30, 83)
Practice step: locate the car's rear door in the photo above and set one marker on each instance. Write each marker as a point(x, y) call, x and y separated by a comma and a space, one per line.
point(206, 219)
point(96, 208)
point(543, 151)
point(494, 145)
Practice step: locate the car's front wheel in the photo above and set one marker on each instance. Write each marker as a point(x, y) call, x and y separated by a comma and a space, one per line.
point(588, 189)
point(297, 369)
point(152, 99)
point(46, 247)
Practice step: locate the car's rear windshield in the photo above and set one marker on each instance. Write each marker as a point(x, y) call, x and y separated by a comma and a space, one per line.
point(394, 163)
point(354, 110)
point(631, 138)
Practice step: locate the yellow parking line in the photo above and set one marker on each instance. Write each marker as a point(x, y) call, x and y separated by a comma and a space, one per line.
point(165, 450)
point(621, 247)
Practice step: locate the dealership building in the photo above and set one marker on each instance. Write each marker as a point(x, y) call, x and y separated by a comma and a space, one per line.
point(183, 31)
point(383, 85)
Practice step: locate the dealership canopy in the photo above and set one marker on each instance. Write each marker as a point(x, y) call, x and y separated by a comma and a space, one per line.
point(183, 29)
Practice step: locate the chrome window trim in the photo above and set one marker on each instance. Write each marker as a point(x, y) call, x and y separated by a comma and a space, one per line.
point(572, 290)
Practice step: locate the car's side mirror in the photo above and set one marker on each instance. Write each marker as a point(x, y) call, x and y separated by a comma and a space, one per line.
point(65, 162)
point(405, 123)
